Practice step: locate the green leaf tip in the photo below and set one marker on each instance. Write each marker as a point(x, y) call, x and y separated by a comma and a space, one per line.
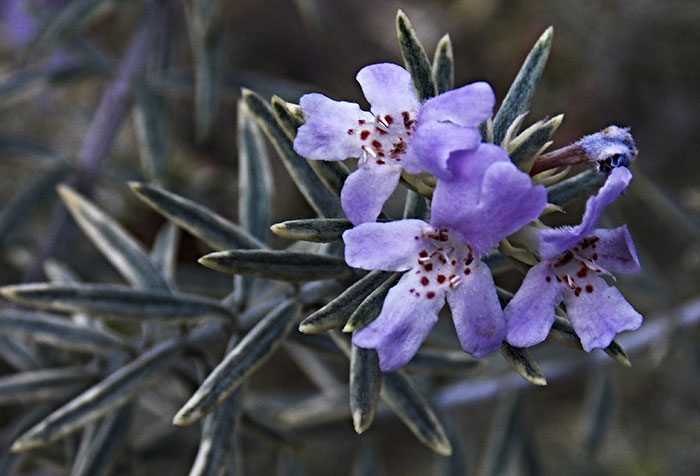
point(415, 58)
point(524, 364)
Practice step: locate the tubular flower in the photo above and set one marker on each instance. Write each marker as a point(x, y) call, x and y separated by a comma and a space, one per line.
point(573, 258)
point(487, 199)
point(399, 133)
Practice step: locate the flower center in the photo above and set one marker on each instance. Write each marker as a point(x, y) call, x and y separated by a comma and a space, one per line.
point(385, 140)
point(441, 264)
point(576, 266)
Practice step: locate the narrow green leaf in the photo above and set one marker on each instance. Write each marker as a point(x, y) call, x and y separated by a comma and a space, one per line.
point(335, 313)
point(118, 246)
point(562, 331)
point(63, 24)
point(149, 116)
point(415, 58)
point(365, 386)
point(311, 187)
point(60, 273)
point(240, 363)
point(319, 230)
point(519, 96)
point(276, 264)
point(111, 393)
point(527, 146)
point(207, 45)
point(370, 307)
point(504, 431)
point(203, 223)
point(37, 385)
point(444, 65)
point(18, 354)
point(165, 249)
point(254, 176)
point(9, 462)
point(288, 115)
point(59, 332)
point(522, 362)
point(101, 451)
point(416, 206)
point(216, 444)
point(438, 361)
point(116, 302)
point(26, 201)
point(574, 188)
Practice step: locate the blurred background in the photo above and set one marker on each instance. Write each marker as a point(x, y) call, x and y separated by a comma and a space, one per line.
point(625, 62)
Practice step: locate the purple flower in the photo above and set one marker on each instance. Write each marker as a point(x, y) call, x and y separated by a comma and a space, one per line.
point(572, 260)
point(487, 199)
point(398, 133)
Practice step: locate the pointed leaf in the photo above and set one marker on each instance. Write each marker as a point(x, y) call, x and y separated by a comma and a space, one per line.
point(519, 96)
point(254, 176)
point(240, 363)
point(276, 264)
point(335, 313)
point(149, 115)
point(443, 65)
point(371, 306)
point(415, 58)
point(319, 230)
point(203, 223)
point(522, 362)
point(525, 148)
point(37, 385)
point(59, 332)
point(18, 354)
point(116, 302)
point(311, 187)
point(365, 386)
point(118, 246)
point(416, 206)
point(165, 249)
point(288, 115)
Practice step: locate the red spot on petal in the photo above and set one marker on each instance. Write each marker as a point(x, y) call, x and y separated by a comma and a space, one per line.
point(582, 273)
point(380, 162)
point(430, 295)
point(443, 260)
point(589, 288)
point(381, 131)
point(380, 154)
point(595, 256)
point(415, 238)
point(364, 134)
point(424, 281)
point(548, 279)
point(453, 262)
point(376, 144)
point(361, 121)
point(423, 253)
point(428, 266)
point(411, 290)
point(388, 119)
point(577, 293)
point(467, 271)
point(441, 278)
point(350, 132)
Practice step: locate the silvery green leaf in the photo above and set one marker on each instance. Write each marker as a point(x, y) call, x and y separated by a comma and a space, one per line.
point(598, 409)
point(574, 188)
point(416, 206)
point(439, 361)
point(562, 331)
point(213, 229)
point(118, 246)
point(525, 148)
point(310, 185)
point(149, 116)
point(240, 363)
point(522, 362)
point(332, 173)
point(319, 230)
point(254, 176)
point(371, 306)
point(288, 115)
point(65, 23)
point(109, 394)
point(9, 461)
point(216, 444)
point(60, 273)
point(18, 354)
point(276, 264)
point(23, 205)
point(443, 65)
point(116, 302)
point(365, 386)
point(37, 385)
point(415, 58)
point(207, 37)
point(165, 249)
point(504, 431)
point(59, 332)
point(105, 442)
point(401, 394)
point(335, 313)
point(519, 96)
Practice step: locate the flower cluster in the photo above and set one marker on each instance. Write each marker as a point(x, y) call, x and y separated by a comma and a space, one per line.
point(479, 199)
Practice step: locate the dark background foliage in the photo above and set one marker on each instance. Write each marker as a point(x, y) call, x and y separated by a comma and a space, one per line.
point(626, 62)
